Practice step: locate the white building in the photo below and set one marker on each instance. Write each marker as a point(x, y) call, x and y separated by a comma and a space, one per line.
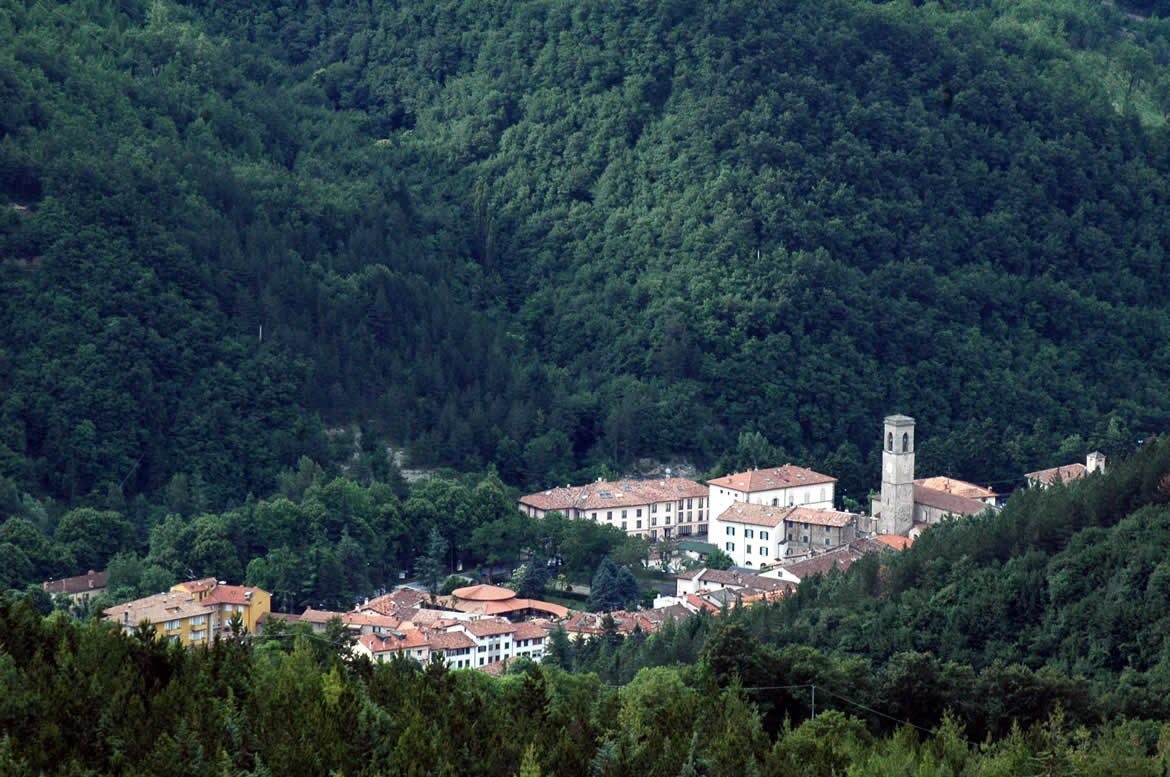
point(757, 535)
point(785, 486)
point(654, 509)
point(468, 645)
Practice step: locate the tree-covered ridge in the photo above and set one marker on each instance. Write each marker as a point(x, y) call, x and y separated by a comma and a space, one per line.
point(560, 236)
point(785, 216)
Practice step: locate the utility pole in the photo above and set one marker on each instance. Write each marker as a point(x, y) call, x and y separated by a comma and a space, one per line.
point(814, 702)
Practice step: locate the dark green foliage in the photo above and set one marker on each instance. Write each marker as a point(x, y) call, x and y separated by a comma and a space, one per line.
point(613, 587)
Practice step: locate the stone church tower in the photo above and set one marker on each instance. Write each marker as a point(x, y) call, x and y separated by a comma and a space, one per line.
point(897, 505)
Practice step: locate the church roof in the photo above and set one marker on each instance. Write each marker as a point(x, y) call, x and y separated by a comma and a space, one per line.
point(1065, 474)
point(957, 487)
point(951, 503)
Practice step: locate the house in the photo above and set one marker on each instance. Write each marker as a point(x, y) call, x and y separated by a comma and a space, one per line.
point(757, 535)
point(749, 586)
point(473, 644)
point(784, 486)
point(360, 623)
point(195, 612)
point(1094, 462)
point(77, 588)
point(839, 558)
point(905, 502)
point(654, 509)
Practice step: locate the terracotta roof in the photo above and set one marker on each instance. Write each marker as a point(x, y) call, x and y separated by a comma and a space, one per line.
point(956, 487)
point(941, 500)
point(820, 517)
point(510, 606)
point(287, 617)
point(895, 541)
point(788, 476)
point(76, 585)
point(495, 668)
point(483, 593)
point(1065, 474)
point(699, 603)
point(378, 643)
point(489, 627)
point(396, 599)
point(737, 579)
point(604, 495)
point(594, 623)
point(449, 640)
point(839, 558)
point(754, 515)
point(230, 594)
point(537, 629)
point(158, 608)
point(660, 615)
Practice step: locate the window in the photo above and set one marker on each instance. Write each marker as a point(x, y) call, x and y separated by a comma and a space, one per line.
point(700, 515)
point(763, 550)
point(890, 442)
point(730, 531)
point(730, 546)
point(748, 533)
point(791, 501)
point(623, 515)
point(690, 503)
point(172, 625)
point(609, 516)
point(482, 648)
point(668, 520)
point(595, 516)
point(654, 508)
point(638, 514)
point(775, 502)
point(680, 503)
point(639, 524)
point(827, 541)
point(763, 535)
point(905, 442)
point(654, 520)
point(623, 525)
point(749, 549)
point(668, 504)
point(701, 502)
point(198, 620)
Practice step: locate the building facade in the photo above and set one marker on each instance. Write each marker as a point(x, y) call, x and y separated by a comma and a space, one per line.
point(195, 612)
point(786, 486)
point(654, 509)
point(759, 535)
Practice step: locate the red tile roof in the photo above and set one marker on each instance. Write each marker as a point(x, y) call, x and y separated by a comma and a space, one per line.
point(449, 640)
point(489, 627)
point(1065, 474)
point(839, 558)
point(956, 487)
point(484, 593)
point(951, 503)
point(76, 585)
point(604, 495)
point(788, 476)
point(400, 598)
point(537, 629)
point(895, 541)
point(754, 515)
point(230, 594)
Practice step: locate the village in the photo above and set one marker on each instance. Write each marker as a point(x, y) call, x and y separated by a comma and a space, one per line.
point(777, 525)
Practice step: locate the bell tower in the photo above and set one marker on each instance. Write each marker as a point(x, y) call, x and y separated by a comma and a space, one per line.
point(897, 506)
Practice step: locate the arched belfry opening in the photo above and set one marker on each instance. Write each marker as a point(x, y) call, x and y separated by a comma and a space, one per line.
point(890, 441)
point(905, 442)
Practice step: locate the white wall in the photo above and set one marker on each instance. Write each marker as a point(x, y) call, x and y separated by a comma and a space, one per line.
point(817, 496)
point(735, 539)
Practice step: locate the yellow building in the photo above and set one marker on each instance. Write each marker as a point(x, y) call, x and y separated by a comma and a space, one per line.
point(194, 612)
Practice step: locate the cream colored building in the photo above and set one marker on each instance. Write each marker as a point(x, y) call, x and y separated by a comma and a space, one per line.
point(759, 535)
point(195, 612)
point(654, 509)
point(786, 486)
point(1094, 462)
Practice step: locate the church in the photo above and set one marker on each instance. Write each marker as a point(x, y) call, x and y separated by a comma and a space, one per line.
point(906, 505)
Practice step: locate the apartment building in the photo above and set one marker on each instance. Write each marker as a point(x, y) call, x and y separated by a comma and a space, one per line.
point(654, 509)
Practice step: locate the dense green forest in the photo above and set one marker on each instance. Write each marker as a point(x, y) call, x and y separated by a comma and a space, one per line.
point(1032, 642)
point(560, 236)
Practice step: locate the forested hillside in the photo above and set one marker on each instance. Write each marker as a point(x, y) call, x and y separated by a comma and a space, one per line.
point(1032, 642)
point(560, 236)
